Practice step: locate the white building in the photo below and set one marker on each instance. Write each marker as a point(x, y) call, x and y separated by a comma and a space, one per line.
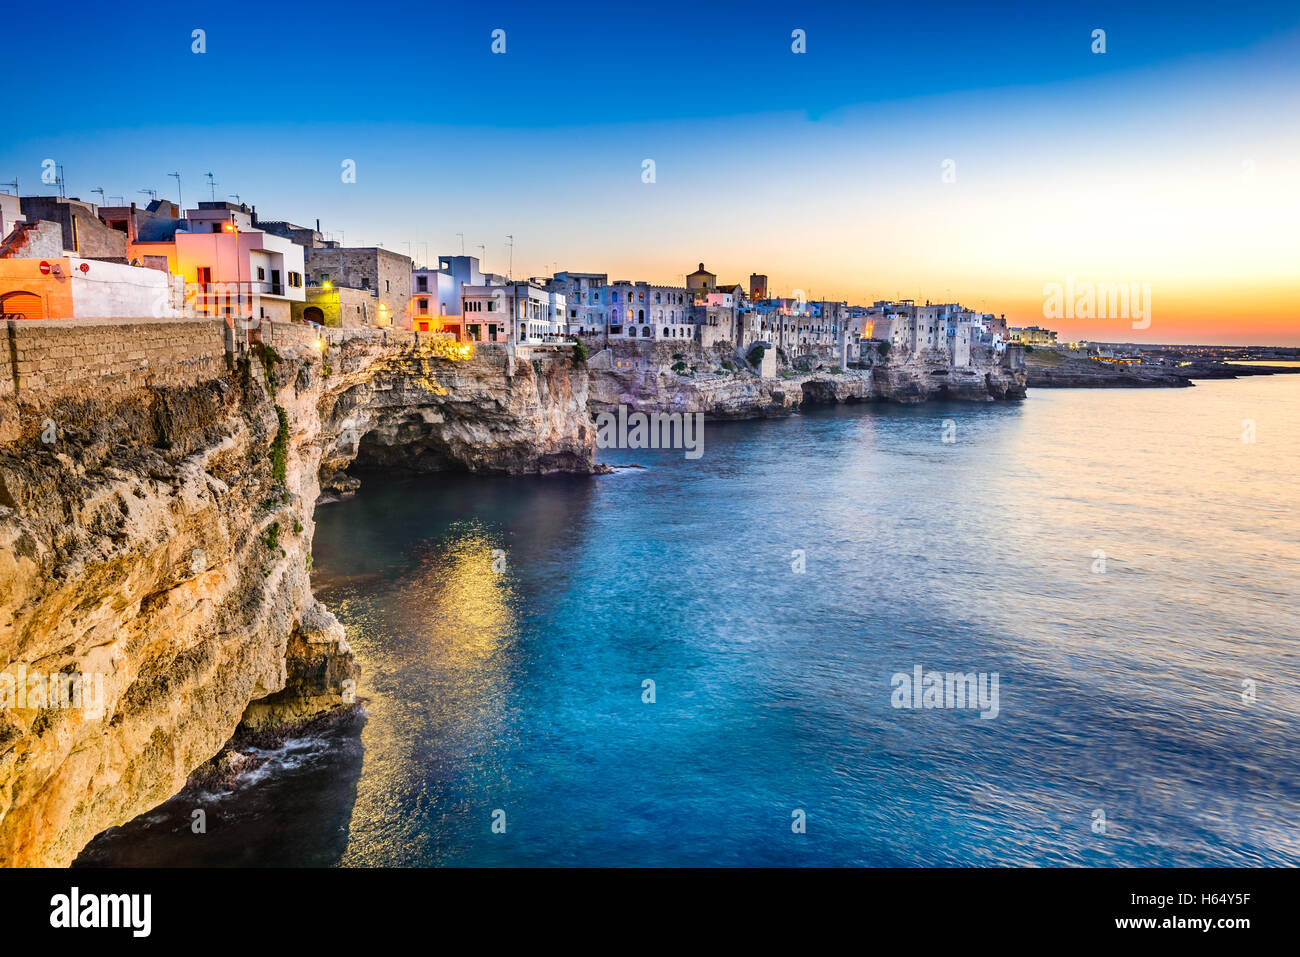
point(1033, 336)
point(521, 312)
point(437, 293)
point(230, 268)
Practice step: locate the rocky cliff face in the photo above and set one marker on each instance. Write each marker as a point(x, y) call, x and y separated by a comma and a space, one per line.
point(658, 376)
point(158, 542)
point(642, 377)
point(492, 412)
point(1049, 369)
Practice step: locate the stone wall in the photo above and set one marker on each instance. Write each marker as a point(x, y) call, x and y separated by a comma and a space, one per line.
point(92, 356)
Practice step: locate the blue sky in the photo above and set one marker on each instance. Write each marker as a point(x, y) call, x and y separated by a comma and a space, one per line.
point(831, 156)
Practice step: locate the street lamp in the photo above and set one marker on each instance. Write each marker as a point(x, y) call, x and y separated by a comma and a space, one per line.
point(233, 227)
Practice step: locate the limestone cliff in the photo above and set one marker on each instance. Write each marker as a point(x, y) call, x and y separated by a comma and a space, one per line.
point(492, 412)
point(158, 536)
point(904, 376)
point(1048, 368)
point(663, 376)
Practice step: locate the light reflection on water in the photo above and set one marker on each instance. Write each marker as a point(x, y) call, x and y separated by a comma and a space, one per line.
point(1120, 691)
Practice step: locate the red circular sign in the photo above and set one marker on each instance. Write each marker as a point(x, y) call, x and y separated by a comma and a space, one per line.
point(45, 268)
point(85, 267)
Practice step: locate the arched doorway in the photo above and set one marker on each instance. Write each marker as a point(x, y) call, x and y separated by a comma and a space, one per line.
point(314, 314)
point(22, 305)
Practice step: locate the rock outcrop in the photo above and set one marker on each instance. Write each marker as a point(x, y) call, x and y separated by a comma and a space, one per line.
point(1050, 369)
point(491, 412)
point(157, 538)
point(663, 376)
point(643, 378)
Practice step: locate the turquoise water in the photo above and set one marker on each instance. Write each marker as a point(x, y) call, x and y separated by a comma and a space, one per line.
point(521, 690)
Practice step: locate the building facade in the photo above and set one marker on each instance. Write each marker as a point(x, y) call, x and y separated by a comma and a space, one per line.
point(525, 313)
point(85, 235)
point(436, 294)
point(586, 297)
point(383, 274)
point(639, 310)
point(1033, 336)
point(230, 268)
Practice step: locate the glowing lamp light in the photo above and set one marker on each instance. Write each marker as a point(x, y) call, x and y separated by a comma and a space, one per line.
point(328, 284)
point(319, 344)
point(230, 227)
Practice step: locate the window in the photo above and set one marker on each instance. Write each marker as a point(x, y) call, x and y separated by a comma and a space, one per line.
point(203, 275)
point(388, 287)
point(421, 283)
point(261, 272)
point(295, 278)
point(424, 307)
point(365, 282)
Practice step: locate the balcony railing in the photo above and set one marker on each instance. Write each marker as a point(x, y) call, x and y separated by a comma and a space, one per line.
point(244, 288)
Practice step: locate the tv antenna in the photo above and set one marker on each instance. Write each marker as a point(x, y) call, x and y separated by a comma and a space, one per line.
point(180, 204)
point(152, 193)
point(212, 185)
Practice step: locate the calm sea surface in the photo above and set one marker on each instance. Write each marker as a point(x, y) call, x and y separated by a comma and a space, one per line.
point(1162, 692)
